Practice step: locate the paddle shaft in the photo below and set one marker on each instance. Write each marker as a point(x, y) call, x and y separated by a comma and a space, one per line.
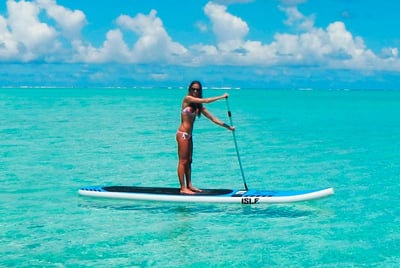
point(236, 146)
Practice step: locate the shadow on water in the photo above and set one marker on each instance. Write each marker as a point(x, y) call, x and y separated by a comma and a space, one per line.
point(268, 210)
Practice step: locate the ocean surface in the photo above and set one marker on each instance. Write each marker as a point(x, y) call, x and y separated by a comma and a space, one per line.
point(54, 141)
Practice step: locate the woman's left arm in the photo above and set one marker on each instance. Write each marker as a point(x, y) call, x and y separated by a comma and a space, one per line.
point(214, 119)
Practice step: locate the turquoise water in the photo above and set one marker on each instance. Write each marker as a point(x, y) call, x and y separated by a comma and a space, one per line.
point(54, 141)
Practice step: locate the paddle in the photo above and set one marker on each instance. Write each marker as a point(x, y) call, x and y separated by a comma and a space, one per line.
point(236, 146)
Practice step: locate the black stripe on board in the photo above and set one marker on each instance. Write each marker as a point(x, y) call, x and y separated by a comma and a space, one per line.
point(162, 190)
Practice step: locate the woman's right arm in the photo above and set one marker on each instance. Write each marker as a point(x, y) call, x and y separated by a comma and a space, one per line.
point(205, 100)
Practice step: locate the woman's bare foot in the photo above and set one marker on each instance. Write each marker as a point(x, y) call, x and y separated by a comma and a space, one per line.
point(186, 191)
point(194, 189)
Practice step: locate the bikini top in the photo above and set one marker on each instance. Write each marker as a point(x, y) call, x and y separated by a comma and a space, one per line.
point(188, 111)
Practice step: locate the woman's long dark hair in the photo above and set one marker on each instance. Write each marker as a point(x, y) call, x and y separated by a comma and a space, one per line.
point(198, 107)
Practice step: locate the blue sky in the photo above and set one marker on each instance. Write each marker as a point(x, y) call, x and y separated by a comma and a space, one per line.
point(321, 44)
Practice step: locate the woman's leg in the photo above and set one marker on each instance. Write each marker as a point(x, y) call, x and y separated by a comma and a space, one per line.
point(188, 171)
point(184, 154)
point(188, 166)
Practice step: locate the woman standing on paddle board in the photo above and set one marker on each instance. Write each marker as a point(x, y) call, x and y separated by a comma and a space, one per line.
point(192, 106)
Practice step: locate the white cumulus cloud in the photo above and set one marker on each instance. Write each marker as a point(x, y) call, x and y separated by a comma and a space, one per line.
point(232, 47)
point(226, 27)
point(296, 18)
point(71, 22)
point(154, 43)
point(33, 37)
point(25, 37)
point(8, 44)
point(114, 49)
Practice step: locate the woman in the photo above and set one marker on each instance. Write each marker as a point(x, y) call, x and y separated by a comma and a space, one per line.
point(192, 106)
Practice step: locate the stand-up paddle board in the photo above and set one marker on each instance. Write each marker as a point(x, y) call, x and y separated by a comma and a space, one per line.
point(206, 196)
point(245, 196)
